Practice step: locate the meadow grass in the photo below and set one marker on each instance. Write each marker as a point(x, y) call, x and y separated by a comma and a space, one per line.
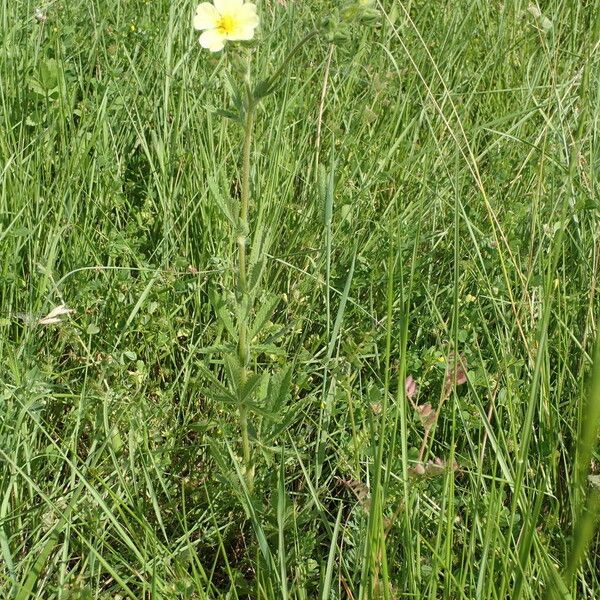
point(426, 195)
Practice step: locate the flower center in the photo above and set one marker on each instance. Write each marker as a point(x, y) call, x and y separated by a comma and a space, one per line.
point(226, 24)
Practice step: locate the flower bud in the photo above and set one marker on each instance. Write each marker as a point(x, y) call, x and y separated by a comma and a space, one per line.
point(369, 16)
point(359, 11)
point(350, 12)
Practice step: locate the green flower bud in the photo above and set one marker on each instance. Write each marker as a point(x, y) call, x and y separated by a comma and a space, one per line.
point(350, 12)
point(341, 35)
point(359, 11)
point(370, 15)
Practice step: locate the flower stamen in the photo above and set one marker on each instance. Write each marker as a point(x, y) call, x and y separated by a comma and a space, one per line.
point(226, 25)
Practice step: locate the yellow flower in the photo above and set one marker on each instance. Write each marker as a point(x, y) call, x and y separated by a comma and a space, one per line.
point(233, 20)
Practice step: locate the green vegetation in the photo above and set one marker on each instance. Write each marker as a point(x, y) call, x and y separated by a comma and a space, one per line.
point(425, 399)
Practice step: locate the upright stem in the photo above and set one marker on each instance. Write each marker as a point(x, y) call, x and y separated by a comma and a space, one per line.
point(242, 237)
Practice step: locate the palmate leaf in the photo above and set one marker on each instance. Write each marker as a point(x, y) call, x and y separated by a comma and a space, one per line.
point(244, 384)
point(279, 389)
point(228, 114)
point(224, 203)
point(263, 88)
point(282, 420)
point(233, 370)
point(278, 415)
point(270, 349)
point(251, 384)
point(220, 394)
point(222, 312)
point(217, 390)
point(257, 269)
point(262, 316)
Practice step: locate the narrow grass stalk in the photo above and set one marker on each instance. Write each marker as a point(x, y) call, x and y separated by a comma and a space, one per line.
point(589, 511)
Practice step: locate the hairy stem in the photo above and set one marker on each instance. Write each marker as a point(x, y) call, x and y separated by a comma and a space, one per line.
point(242, 237)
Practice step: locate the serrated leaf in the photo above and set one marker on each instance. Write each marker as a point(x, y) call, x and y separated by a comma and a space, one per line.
point(252, 382)
point(283, 424)
point(228, 114)
point(279, 389)
point(225, 204)
point(259, 410)
point(255, 275)
point(219, 348)
point(234, 370)
point(236, 94)
point(219, 396)
point(218, 456)
point(220, 393)
point(225, 319)
point(262, 316)
point(218, 389)
point(270, 349)
point(221, 310)
point(263, 88)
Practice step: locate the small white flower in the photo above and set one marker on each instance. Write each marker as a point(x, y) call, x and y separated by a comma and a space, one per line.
point(225, 20)
point(39, 15)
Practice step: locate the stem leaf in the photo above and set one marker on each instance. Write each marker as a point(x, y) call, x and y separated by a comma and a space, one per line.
point(262, 316)
point(225, 205)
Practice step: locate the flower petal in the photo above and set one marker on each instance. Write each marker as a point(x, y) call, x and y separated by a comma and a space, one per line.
point(228, 7)
point(241, 33)
point(213, 40)
point(248, 7)
point(248, 15)
point(206, 16)
point(246, 20)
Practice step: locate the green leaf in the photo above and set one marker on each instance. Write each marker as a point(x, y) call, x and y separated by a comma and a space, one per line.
point(341, 308)
point(220, 394)
point(262, 316)
point(48, 70)
point(222, 312)
point(216, 349)
point(251, 384)
point(33, 574)
point(225, 204)
point(218, 390)
point(280, 426)
point(256, 272)
point(259, 410)
point(228, 114)
point(270, 349)
point(236, 94)
point(279, 389)
point(234, 369)
point(263, 88)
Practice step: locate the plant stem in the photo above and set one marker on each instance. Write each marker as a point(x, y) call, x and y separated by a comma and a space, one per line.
point(249, 469)
point(243, 298)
